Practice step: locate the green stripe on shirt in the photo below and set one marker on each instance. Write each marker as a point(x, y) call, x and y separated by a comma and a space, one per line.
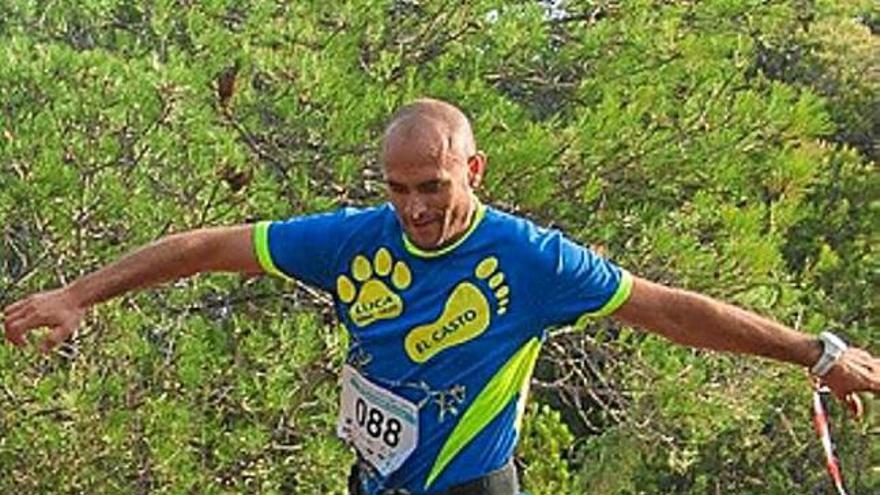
point(261, 247)
point(620, 296)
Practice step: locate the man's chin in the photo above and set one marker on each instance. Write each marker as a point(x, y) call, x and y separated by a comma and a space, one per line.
point(427, 245)
point(426, 241)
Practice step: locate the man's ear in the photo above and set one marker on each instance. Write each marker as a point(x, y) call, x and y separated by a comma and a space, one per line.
point(476, 169)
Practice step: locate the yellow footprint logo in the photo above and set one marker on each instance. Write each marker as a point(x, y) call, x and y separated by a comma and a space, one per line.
point(466, 314)
point(374, 300)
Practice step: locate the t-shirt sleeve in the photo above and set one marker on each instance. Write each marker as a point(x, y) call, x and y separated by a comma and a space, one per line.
point(576, 282)
point(304, 248)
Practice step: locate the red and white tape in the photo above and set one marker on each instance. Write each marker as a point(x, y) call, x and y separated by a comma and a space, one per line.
point(820, 422)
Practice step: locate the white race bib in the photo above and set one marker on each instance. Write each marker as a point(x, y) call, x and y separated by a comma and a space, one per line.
point(383, 427)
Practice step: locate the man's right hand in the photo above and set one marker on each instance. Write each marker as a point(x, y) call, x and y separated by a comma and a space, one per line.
point(220, 249)
point(55, 309)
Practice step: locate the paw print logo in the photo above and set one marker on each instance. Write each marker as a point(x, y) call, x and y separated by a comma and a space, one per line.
point(468, 311)
point(488, 271)
point(372, 289)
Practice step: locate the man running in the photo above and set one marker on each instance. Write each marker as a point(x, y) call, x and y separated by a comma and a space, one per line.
point(447, 301)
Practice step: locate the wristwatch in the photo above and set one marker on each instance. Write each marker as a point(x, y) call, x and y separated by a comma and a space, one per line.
point(832, 347)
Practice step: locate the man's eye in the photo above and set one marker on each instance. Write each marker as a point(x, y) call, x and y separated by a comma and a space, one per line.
point(431, 187)
point(396, 189)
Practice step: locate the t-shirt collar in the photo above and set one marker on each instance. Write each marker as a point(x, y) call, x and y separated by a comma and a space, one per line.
point(434, 253)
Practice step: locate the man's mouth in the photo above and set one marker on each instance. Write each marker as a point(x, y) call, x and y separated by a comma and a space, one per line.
point(420, 224)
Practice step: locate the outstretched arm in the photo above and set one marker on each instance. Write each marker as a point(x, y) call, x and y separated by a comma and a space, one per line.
point(228, 249)
point(695, 320)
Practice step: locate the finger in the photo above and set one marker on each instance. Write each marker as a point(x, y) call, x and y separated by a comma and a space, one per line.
point(16, 305)
point(854, 402)
point(14, 331)
point(19, 312)
point(870, 367)
point(59, 334)
point(52, 339)
point(18, 328)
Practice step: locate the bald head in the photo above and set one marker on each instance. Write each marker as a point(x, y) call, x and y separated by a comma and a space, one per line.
point(430, 128)
point(431, 167)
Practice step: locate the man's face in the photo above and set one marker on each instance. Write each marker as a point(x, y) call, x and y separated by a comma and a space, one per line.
point(431, 192)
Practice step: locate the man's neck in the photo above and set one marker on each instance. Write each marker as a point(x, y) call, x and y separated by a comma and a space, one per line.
point(470, 218)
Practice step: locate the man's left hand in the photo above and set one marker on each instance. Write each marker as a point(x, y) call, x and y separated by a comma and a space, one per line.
point(855, 371)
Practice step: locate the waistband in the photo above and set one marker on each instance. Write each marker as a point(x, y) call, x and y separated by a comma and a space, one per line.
point(502, 481)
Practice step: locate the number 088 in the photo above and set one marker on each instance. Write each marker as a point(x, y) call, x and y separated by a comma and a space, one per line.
point(376, 424)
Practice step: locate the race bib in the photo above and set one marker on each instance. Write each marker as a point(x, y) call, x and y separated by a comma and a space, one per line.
point(383, 427)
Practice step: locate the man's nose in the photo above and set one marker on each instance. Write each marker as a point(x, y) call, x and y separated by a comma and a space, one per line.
point(416, 207)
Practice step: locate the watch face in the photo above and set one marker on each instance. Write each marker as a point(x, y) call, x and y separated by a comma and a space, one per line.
point(832, 342)
point(832, 348)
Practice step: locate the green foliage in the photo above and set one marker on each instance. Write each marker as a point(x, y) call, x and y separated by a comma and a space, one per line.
point(546, 443)
point(726, 146)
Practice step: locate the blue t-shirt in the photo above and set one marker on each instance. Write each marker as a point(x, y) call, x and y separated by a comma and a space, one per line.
point(455, 332)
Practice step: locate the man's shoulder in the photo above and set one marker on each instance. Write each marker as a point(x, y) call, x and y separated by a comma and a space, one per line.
point(339, 227)
point(347, 214)
point(378, 213)
point(530, 243)
point(513, 226)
